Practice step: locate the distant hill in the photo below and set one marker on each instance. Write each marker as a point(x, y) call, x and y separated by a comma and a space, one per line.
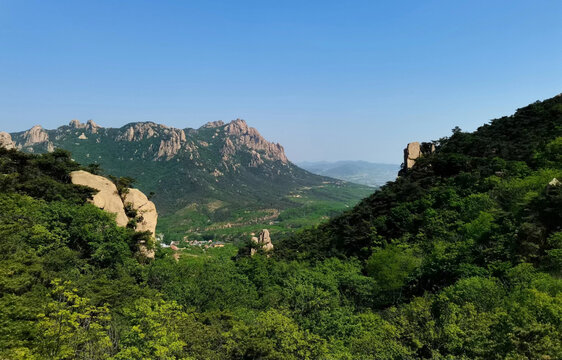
point(217, 180)
point(359, 172)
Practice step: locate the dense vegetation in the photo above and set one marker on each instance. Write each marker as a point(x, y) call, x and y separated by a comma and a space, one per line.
point(460, 258)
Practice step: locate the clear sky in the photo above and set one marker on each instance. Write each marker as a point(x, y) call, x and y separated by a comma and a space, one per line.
point(330, 80)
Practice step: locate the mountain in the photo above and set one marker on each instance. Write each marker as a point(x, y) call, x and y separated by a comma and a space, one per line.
point(499, 166)
point(218, 180)
point(459, 258)
point(359, 172)
point(464, 242)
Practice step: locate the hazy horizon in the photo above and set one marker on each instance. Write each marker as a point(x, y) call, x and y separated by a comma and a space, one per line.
point(327, 80)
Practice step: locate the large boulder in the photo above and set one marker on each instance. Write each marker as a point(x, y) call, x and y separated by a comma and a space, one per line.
point(6, 140)
point(414, 151)
point(147, 217)
point(411, 153)
point(264, 240)
point(107, 198)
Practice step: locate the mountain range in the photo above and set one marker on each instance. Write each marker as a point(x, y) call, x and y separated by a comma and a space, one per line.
point(218, 180)
point(359, 172)
point(460, 257)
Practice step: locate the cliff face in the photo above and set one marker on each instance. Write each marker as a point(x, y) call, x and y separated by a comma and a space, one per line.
point(33, 137)
point(415, 150)
point(108, 199)
point(241, 135)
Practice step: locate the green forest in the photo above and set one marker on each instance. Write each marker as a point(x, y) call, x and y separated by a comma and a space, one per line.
point(459, 258)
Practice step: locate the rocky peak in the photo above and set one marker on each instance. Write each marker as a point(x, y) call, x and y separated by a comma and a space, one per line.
point(171, 139)
point(139, 131)
point(6, 140)
point(171, 144)
point(239, 127)
point(76, 124)
point(243, 135)
point(214, 124)
point(90, 125)
point(35, 135)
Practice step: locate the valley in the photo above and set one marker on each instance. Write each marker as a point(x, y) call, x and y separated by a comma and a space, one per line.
point(359, 172)
point(221, 181)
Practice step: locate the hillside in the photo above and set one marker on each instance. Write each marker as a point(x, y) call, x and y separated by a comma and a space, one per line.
point(469, 239)
point(218, 180)
point(359, 172)
point(459, 258)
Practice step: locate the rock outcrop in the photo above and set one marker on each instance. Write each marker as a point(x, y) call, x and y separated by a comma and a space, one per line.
point(214, 124)
point(107, 198)
point(139, 131)
point(89, 126)
point(414, 151)
point(36, 135)
point(244, 136)
point(172, 144)
point(92, 127)
point(147, 216)
point(264, 240)
point(6, 140)
point(228, 149)
point(171, 139)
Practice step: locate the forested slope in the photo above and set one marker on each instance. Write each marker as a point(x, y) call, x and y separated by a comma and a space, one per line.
point(459, 258)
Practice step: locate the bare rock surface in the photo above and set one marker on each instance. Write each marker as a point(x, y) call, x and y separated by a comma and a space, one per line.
point(148, 216)
point(245, 136)
point(214, 124)
point(172, 144)
point(92, 127)
point(414, 151)
point(35, 135)
point(107, 197)
point(171, 139)
point(6, 140)
point(264, 240)
point(411, 153)
point(89, 126)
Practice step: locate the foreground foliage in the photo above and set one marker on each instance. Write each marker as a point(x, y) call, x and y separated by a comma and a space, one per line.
point(460, 258)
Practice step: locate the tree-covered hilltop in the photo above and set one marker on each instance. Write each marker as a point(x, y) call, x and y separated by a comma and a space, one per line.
point(459, 258)
point(500, 171)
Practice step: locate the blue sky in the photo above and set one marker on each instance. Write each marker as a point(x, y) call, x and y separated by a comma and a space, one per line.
point(330, 80)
